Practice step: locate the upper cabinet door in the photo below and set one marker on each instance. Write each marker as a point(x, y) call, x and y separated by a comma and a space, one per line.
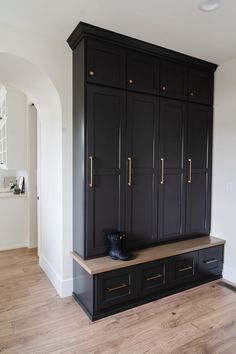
point(174, 80)
point(105, 64)
point(142, 73)
point(201, 87)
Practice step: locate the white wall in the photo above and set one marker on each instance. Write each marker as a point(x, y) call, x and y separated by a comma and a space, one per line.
point(6, 173)
point(224, 164)
point(42, 68)
point(13, 221)
point(16, 102)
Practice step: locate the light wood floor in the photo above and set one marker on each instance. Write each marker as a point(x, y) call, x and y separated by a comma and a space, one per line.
point(33, 319)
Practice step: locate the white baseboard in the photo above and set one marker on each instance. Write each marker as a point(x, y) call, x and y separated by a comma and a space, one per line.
point(67, 287)
point(64, 287)
point(12, 247)
point(229, 273)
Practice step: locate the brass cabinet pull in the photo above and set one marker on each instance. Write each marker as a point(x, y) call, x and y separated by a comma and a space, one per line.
point(117, 287)
point(209, 261)
point(91, 172)
point(130, 81)
point(155, 277)
point(91, 73)
point(129, 171)
point(184, 269)
point(190, 171)
point(162, 171)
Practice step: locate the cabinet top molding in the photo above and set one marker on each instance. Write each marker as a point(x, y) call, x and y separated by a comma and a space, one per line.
point(89, 31)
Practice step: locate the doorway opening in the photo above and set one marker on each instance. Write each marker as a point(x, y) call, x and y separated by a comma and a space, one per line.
point(18, 169)
point(39, 89)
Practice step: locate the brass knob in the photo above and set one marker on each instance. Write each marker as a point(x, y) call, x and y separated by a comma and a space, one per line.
point(191, 94)
point(130, 82)
point(91, 73)
point(163, 88)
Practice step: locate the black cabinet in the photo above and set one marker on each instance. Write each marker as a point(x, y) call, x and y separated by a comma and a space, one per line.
point(113, 288)
point(142, 163)
point(172, 131)
point(210, 261)
point(174, 80)
point(183, 268)
point(199, 157)
point(200, 87)
point(152, 277)
point(105, 64)
point(104, 159)
point(142, 73)
point(141, 170)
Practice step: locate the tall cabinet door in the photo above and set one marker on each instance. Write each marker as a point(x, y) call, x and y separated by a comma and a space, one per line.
point(171, 220)
point(199, 169)
point(104, 186)
point(141, 163)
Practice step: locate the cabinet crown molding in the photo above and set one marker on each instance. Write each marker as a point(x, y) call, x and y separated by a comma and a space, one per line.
point(85, 30)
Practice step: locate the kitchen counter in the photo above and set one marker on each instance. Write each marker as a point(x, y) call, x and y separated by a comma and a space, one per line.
point(12, 195)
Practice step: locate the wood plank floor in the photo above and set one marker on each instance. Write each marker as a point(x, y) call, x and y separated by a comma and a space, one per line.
point(33, 319)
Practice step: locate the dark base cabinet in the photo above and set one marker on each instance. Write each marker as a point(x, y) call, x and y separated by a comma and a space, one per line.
point(107, 293)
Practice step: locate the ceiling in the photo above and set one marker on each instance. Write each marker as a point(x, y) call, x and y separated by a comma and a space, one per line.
point(175, 24)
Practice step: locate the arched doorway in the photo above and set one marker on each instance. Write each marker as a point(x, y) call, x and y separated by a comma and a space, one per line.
point(28, 78)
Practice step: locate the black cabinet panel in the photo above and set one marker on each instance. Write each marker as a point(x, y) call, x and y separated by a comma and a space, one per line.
point(199, 170)
point(105, 194)
point(199, 135)
point(201, 87)
point(171, 214)
point(183, 268)
point(171, 177)
point(174, 80)
point(211, 261)
point(142, 73)
point(152, 277)
point(197, 206)
point(115, 287)
point(141, 189)
point(140, 223)
point(105, 64)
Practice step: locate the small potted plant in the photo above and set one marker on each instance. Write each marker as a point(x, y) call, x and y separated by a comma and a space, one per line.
point(15, 188)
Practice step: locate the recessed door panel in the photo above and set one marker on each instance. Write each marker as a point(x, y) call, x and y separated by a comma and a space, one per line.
point(172, 169)
point(104, 172)
point(201, 87)
point(142, 73)
point(199, 170)
point(141, 172)
point(105, 64)
point(174, 80)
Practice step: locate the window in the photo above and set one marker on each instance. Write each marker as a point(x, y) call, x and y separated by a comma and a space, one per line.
point(3, 128)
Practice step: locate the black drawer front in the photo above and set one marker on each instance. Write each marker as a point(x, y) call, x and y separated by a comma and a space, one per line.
point(152, 277)
point(114, 287)
point(211, 261)
point(183, 268)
